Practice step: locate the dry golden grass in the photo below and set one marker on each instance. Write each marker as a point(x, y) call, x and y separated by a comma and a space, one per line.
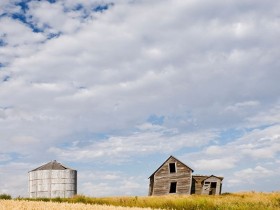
point(229, 201)
point(41, 205)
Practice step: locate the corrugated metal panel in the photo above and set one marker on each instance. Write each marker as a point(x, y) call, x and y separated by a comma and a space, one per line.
point(52, 183)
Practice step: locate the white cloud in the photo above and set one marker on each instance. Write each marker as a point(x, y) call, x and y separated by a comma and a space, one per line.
point(52, 17)
point(250, 175)
point(251, 159)
point(266, 117)
point(18, 140)
point(16, 46)
point(120, 148)
point(258, 144)
point(215, 164)
point(4, 157)
point(14, 178)
point(104, 183)
point(12, 28)
point(206, 67)
point(242, 105)
point(214, 150)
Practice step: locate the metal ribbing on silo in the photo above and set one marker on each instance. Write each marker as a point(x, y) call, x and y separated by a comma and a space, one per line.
point(52, 180)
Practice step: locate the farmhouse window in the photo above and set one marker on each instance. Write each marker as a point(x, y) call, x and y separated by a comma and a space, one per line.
point(213, 184)
point(172, 168)
point(173, 186)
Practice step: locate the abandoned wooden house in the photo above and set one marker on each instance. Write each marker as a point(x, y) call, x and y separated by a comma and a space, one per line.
point(175, 177)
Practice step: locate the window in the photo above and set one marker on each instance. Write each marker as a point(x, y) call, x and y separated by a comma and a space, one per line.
point(213, 184)
point(172, 168)
point(207, 182)
point(173, 186)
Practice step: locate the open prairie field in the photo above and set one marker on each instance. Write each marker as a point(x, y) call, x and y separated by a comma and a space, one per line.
point(41, 205)
point(234, 201)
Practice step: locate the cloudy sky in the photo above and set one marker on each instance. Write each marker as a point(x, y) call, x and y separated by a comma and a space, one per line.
point(112, 88)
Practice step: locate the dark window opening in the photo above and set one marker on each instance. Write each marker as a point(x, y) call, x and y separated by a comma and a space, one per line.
point(207, 182)
point(173, 186)
point(213, 184)
point(193, 186)
point(172, 168)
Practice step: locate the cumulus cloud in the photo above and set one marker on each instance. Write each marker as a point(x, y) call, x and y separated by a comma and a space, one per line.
point(14, 178)
point(265, 117)
point(144, 142)
point(249, 159)
point(97, 184)
point(251, 175)
point(85, 78)
point(258, 144)
point(4, 157)
point(215, 164)
point(242, 105)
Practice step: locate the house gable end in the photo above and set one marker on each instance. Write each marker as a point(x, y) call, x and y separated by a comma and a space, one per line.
point(175, 159)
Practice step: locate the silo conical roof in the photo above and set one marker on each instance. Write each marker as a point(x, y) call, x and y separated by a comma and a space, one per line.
point(53, 165)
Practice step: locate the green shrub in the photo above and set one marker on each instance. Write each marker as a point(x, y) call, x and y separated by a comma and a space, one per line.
point(5, 197)
point(226, 193)
point(41, 199)
point(57, 199)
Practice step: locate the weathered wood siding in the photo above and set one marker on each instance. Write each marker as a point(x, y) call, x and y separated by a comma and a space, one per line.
point(161, 180)
point(151, 186)
point(197, 184)
point(207, 190)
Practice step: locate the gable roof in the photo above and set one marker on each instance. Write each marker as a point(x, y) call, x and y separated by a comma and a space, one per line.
point(166, 161)
point(53, 165)
point(219, 177)
point(201, 178)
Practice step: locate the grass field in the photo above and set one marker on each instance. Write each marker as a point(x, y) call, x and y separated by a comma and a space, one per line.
point(41, 205)
point(235, 201)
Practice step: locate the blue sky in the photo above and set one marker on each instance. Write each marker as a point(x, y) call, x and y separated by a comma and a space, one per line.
point(112, 88)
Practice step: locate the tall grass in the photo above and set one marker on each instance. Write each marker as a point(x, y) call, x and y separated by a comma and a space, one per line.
point(236, 201)
point(41, 205)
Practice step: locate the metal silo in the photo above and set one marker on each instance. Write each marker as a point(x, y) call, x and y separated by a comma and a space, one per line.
point(52, 180)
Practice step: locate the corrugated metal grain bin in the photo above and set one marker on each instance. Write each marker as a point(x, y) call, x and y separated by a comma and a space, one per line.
point(52, 180)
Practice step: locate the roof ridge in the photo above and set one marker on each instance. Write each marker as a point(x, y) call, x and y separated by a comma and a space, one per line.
point(171, 156)
point(52, 165)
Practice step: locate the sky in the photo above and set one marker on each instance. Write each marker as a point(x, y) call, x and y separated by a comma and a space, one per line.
point(113, 88)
